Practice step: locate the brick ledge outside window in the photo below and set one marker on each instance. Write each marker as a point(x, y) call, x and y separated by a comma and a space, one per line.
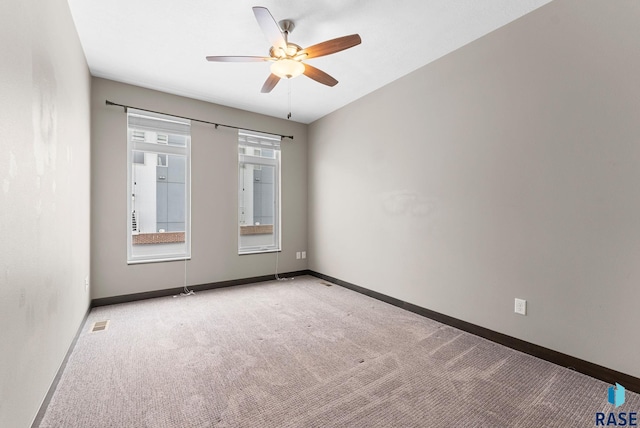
point(256, 230)
point(157, 238)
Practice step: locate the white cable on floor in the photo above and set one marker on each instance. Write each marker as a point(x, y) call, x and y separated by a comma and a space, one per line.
point(186, 292)
point(277, 277)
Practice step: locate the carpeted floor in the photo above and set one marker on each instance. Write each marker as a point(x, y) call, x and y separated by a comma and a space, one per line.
point(302, 354)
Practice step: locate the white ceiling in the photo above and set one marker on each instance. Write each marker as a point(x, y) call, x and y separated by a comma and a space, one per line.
point(162, 44)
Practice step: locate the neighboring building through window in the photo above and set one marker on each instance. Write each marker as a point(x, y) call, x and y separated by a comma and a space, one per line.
point(258, 192)
point(158, 185)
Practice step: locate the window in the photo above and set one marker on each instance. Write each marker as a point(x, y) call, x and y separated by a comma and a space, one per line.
point(158, 187)
point(258, 192)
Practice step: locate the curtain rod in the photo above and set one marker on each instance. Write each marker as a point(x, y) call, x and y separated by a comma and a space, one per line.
point(125, 107)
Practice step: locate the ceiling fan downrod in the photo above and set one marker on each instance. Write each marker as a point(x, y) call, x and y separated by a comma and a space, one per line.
point(287, 26)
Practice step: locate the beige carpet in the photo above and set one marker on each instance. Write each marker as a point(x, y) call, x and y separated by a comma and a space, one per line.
point(302, 354)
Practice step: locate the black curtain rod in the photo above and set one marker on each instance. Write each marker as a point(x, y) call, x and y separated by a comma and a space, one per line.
point(125, 107)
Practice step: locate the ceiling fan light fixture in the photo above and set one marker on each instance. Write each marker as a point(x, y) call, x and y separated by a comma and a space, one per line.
point(292, 49)
point(287, 68)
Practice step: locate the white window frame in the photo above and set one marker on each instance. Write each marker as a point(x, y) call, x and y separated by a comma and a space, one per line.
point(261, 141)
point(164, 149)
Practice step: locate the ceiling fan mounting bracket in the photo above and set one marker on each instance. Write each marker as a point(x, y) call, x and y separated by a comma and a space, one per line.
point(287, 26)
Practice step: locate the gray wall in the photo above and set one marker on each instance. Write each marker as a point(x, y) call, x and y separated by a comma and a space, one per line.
point(214, 194)
point(44, 199)
point(509, 168)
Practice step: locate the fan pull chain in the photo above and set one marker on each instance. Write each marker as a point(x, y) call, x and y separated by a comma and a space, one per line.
point(289, 96)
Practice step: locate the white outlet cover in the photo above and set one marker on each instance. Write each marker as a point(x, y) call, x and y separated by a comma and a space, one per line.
point(298, 255)
point(520, 307)
point(304, 254)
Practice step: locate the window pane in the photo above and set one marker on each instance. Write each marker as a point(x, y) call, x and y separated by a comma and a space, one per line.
point(257, 206)
point(177, 140)
point(159, 193)
point(138, 157)
point(158, 204)
point(258, 193)
point(159, 189)
point(268, 153)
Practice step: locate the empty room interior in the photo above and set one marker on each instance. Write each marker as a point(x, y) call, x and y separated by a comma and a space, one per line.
point(428, 214)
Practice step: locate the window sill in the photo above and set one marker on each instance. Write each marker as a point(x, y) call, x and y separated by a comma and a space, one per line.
point(168, 259)
point(247, 252)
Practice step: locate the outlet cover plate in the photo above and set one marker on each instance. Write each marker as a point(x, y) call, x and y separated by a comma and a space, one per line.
point(520, 306)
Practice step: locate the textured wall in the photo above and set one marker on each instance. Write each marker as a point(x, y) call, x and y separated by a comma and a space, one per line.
point(214, 195)
point(44, 199)
point(509, 168)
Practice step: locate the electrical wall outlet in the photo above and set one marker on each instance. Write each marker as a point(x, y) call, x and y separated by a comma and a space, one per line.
point(304, 254)
point(298, 255)
point(86, 283)
point(520, 307)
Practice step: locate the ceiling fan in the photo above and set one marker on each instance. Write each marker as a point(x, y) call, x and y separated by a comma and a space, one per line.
point(287, 57)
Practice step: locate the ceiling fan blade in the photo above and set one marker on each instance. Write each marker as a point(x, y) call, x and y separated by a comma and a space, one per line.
point(270, 83)
point(269, 27)
point(319, 76)
point(237, 58)
point(331, 46)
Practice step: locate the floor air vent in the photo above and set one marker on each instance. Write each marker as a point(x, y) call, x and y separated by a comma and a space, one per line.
point(99, 326)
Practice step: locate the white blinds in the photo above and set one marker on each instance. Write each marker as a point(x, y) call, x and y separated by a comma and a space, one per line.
point(258, 140)
point(138, 119)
